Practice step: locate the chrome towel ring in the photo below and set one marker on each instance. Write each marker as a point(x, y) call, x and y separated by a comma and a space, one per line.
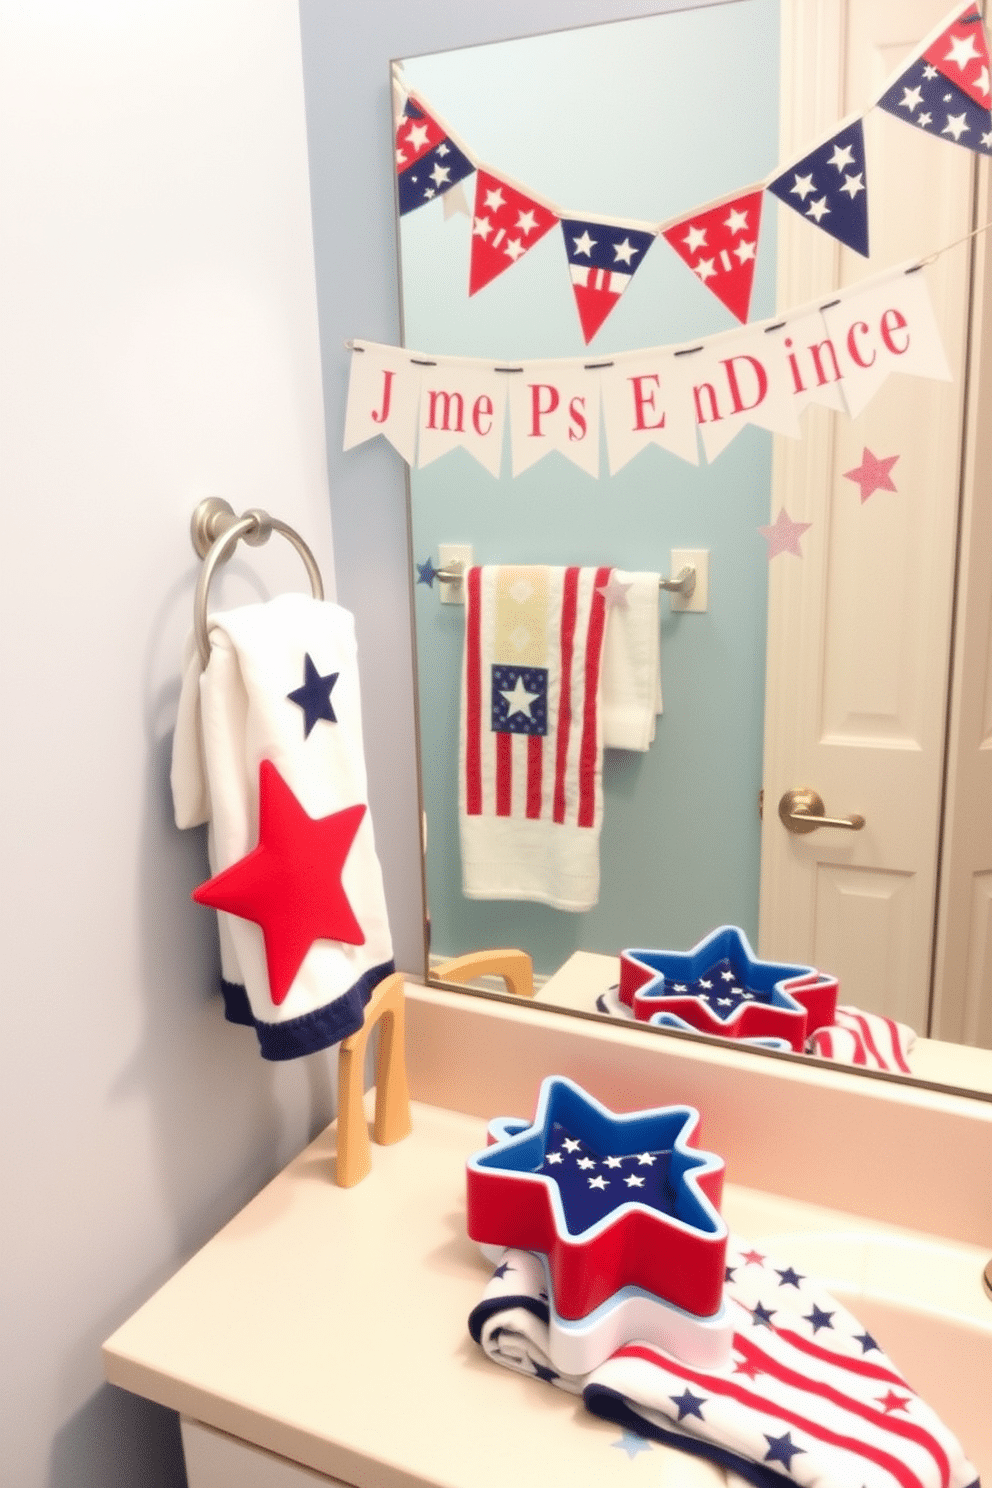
point(215, 531)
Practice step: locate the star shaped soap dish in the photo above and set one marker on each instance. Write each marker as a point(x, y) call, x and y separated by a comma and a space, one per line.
point(720, 987)
point(613, 1201)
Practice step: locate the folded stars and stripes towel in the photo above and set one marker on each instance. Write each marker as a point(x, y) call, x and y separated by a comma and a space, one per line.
point(631, 660)
point(867, 1040)
point(268, 751)
point(808, 1395)
point(531, 738)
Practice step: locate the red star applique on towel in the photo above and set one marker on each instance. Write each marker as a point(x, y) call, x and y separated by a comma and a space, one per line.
point(290, 884)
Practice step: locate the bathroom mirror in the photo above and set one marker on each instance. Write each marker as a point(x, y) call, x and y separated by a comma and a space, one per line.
point(642, 121)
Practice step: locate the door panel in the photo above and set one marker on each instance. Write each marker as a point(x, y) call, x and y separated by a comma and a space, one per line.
point(859, 629)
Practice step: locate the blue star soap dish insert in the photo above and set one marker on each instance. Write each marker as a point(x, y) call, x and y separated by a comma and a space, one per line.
point(632, 1242)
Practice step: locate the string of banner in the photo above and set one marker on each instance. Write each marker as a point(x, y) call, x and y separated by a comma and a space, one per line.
point(764, 374)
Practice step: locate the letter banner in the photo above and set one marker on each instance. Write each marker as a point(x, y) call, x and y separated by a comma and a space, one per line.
point(837, 354)
point(462, 402)
point(554, 406)
point(884, 326)
point(647, 400)
point(383, 398)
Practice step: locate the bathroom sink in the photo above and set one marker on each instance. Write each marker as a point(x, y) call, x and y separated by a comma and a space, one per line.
point(921, 1297)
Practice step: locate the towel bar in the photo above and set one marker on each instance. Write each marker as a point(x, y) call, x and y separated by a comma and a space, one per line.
point(215, 531)
point(683, 583)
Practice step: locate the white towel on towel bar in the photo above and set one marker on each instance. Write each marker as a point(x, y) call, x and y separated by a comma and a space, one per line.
point(632, 662)
point(530, 758)
point(239, 712)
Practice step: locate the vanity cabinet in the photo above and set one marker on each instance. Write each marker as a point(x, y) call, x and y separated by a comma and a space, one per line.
point(320, 1336)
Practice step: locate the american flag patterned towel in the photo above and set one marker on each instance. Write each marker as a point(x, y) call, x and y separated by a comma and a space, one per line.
point(808, 1395)
point(530, 767)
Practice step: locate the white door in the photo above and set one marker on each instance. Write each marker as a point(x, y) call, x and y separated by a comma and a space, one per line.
point(860, 628)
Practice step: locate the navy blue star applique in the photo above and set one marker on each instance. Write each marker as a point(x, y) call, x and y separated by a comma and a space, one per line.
point(546, 1374)
point(314, 697)
point(729, 1272)
point(502, 1269)
point(688, 1403)
point(426, 573)
point(781, 1449)
point(867, 1342)
point(790, 1277)
point(763, 1315)
point(818, 1319)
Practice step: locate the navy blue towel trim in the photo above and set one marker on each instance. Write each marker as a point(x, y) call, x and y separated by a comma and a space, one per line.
point(237, 1008)
point(613, 1406)
point(485, 1309)
point(311, 1032)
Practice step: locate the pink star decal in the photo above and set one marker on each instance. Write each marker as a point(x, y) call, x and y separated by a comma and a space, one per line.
point(872, 474)
point(784, 534)
point(892, 1401)
point(752, 1257)
point(615, 593)
point(290, 884)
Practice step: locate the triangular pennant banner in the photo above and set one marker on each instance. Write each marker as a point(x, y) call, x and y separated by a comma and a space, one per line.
point(507, 223)
point(945, 90)
point(428, 162)
point(828, 187)
point(603, 257)
point(720, 245)
point(961, 54)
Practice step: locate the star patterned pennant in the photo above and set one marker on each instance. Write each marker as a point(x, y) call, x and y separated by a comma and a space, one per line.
point(603, 257)
point(945, 90)
point(828, 187)
point(506, 224)
point(961, 54)
point(720, 245)
point(290, 884)
point(428, 162)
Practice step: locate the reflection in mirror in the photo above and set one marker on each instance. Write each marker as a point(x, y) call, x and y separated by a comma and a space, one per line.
point(641, 122)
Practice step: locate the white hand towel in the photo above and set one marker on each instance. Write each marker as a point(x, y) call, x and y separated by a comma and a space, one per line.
point(282, 686)
point(808, 1396)
point(531, 739)
point(632, 660)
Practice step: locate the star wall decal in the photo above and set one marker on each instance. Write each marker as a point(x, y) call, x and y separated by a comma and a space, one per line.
point(872, 474)
point(784, 534)
point(597, 1240)
point(290, 884)
point(314, 697)
point(615, 593)
point(426, 573)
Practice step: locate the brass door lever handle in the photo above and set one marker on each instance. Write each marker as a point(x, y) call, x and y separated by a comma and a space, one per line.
point(802, 811)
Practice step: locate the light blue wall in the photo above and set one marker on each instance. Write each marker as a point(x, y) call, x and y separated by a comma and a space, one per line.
point(643, 119)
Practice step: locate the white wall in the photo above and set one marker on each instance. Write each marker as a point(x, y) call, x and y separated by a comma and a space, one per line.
point(158, 334)
point(159, 343)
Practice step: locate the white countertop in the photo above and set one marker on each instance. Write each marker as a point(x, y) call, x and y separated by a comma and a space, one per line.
point(329, 1326)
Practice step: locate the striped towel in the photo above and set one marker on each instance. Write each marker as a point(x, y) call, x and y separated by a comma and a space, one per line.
point(808, 1396)
point(865, 1039)
point(530, 765)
